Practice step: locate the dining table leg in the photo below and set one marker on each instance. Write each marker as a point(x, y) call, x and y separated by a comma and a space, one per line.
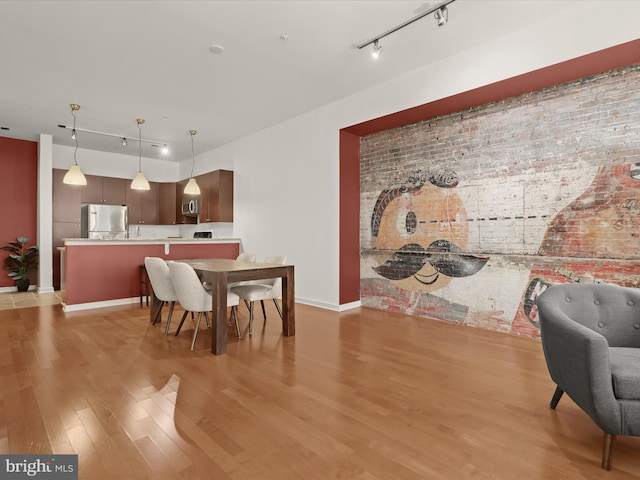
point(219, 308)
point(288, 304)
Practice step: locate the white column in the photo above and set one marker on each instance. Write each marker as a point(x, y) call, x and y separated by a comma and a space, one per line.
point(45, 213)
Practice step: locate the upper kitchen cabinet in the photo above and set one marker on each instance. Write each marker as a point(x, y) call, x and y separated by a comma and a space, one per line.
point(143, 205)
point(167, 201)
point(216, 196)
point(107, 190)
point(66, 199)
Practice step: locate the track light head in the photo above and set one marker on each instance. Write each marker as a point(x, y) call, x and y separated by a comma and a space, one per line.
point(442, 16)
point(376, 49)
point(124, 141)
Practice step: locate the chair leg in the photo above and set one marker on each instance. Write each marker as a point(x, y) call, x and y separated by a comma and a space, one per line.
point(250, 318)
point(234, 315)
point(171, 306)
point(195, 332)
point(557, 395)
point(181, 322)
point(264, 312)
point(166, 329)
point(206, 317)
point(607, 449)
point(278, 307)
point(157, 316)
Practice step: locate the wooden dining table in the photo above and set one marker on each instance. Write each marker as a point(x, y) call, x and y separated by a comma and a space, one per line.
point(220, 272)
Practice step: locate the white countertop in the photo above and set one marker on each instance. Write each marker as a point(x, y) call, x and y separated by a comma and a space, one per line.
point(149, 241)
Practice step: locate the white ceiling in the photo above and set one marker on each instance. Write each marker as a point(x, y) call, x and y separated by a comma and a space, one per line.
point(122, 60)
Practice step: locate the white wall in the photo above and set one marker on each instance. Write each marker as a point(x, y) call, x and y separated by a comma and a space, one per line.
point(287, 177)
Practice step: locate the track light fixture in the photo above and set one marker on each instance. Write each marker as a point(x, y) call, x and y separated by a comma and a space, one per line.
point(440, 13)
point(140, 182)
point(376, 49)
point(74, 176)
point(124, 141)
point(442, 16)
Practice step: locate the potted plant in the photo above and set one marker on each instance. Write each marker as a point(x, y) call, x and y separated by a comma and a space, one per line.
point(21, 261)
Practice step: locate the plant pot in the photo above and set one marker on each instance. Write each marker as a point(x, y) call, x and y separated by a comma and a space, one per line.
point(23, 284)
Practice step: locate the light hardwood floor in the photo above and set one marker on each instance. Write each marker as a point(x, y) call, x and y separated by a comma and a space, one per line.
point(362, 395)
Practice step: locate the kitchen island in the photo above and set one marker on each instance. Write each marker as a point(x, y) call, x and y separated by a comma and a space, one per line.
point(102, 273)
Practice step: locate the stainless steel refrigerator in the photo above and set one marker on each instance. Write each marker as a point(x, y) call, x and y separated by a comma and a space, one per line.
point(104, 222)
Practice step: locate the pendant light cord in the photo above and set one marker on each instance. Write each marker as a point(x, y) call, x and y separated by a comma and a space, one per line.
point(75, 136)
point(193, 156)
point(139, 148)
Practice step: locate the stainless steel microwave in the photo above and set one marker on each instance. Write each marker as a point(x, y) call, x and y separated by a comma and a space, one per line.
point(190, 207)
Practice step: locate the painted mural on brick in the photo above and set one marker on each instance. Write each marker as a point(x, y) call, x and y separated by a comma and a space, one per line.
point(496, 205)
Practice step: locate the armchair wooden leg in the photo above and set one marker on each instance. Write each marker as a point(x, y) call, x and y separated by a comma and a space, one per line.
point(557, 395)
point(607, 449)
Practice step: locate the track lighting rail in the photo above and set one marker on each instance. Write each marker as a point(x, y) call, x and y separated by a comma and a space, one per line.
point(122, 138)
point(406, 23)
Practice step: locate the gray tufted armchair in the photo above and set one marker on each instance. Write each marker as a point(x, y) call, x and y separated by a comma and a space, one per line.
point(591, 341)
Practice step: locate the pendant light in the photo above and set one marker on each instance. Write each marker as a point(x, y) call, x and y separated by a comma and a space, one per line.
point(192, 188)
point(140, 182)
point(74, 176)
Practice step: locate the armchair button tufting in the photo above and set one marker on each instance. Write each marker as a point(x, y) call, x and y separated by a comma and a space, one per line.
point(629, 302)
point(567, 299)
point(636, 326)
point(600, 324)
point(597, 302)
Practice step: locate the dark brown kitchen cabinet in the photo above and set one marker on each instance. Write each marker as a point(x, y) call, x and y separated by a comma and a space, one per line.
point(142, 205)
point(107, 190)
point(66, 199)
point(66, 217)
point(167, 203)
point(216, 196)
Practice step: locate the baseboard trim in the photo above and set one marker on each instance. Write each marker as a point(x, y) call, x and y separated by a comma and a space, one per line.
point(107, 303)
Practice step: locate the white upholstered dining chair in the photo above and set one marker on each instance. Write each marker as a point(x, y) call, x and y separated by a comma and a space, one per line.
point(261, 290)
point(160, 278)
point(194, 297)
point(246, 257)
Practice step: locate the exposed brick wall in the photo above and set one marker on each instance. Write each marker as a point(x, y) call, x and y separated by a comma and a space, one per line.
point(467, 216)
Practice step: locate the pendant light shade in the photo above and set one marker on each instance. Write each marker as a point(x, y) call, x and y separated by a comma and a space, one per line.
point(140, 182)
point(74, 176)
point(192, 188)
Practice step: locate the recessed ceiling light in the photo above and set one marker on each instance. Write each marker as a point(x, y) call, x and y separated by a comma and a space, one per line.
point(216, 49)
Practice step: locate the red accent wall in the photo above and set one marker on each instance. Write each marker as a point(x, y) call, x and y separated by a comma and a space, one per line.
point(97, 273)
point(18, 196)
point(580, 67)
point(349, 210)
